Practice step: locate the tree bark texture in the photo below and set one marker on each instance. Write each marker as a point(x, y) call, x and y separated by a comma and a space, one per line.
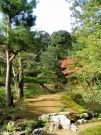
point(20, 80)
point(9, 95)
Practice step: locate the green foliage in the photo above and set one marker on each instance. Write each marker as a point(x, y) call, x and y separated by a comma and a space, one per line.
point(62, 39)
point(87, 48)
point(16, 8)
point(34, 90)
point(15, 34)
point(30, 124)
point(11, 127)
point(2, 99)
point(92, 131)
point(50, 70)
point(33, 124)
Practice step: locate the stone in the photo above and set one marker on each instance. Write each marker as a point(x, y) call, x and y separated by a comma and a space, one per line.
point(88, 115)
point(73, 128)
point(39, 131)
point(62, 120)
point(43, 117)
point(81, 121)
point(53, 126)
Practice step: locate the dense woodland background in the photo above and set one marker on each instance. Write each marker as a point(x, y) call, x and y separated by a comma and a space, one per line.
point(35, 63)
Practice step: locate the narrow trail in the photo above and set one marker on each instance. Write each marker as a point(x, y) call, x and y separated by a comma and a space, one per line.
point(52, 103)
point(45, 104)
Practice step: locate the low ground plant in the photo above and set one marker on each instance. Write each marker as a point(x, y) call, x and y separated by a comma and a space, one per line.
point(92, 131)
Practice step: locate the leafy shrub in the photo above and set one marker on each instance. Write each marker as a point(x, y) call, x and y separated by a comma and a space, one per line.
point(11, 127)
point(29, 126)
point(2, 97)
point(33, 124)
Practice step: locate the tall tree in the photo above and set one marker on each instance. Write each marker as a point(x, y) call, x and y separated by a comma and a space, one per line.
point(14, 37)
point(88, 33)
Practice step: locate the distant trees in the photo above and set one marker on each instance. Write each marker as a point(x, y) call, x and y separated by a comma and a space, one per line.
point(14, 33)
point(58, 47)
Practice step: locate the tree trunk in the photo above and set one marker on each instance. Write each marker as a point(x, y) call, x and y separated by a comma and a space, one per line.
point(9, 96)
point(20, 81)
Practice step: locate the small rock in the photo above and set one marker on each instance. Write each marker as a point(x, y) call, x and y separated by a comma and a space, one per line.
point(74, 128)
point(81, 120)
point(43, 116)
point(39, 131)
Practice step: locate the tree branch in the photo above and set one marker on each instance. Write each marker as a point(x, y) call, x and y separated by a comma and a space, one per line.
point(20, 50)
point(15, 53)
point(12, 57)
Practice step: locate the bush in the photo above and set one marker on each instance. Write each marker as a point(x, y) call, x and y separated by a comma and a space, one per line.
point(33, 124)
point(10, 127)
point(2, 97)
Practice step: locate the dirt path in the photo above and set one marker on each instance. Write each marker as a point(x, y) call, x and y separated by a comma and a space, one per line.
point(52, 103)
point(45, 104)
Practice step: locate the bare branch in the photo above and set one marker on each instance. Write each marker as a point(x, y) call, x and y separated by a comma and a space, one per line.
point(12, 57)
point(15, 53)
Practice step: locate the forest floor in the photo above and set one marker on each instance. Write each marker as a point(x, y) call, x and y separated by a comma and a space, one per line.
point(52, 103)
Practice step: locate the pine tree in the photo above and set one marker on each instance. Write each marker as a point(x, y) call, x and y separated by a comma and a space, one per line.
point(15, 36)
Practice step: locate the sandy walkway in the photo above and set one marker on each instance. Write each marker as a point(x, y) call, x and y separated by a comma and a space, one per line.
point(45, 104)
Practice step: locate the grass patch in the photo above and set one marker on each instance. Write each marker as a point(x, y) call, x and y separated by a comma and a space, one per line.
point(69, 102)
point(92, 131)
point(34, 90)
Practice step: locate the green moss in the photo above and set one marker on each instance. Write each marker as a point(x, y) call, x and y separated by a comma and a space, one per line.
point(92, 131)
point(68, 101)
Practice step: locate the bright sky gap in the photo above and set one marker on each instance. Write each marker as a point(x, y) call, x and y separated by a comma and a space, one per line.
point(53, 15)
